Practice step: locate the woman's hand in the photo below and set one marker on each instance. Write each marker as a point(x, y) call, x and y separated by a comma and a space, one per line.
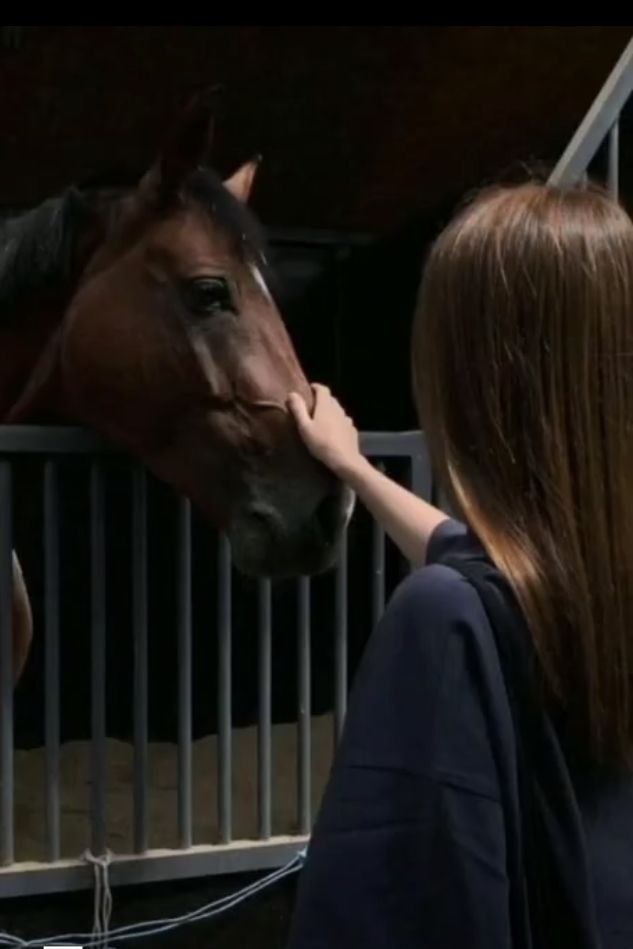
point(329, 434)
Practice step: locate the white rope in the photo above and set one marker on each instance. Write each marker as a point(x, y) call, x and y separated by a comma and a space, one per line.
point(102, 897)
point(103, 908)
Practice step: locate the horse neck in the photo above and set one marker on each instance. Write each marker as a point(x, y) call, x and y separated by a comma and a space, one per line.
point(27, 366)
point(30, 380)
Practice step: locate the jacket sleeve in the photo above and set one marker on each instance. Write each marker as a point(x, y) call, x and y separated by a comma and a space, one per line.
point(408, 849)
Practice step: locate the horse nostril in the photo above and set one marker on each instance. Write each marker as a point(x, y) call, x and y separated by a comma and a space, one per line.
point(328, 516)
point(260, 525)
point(259, 517)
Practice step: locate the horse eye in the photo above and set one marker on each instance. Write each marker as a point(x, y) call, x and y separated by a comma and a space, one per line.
point(206, 296)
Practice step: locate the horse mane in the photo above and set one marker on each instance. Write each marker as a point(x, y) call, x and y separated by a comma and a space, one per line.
point(38, 249)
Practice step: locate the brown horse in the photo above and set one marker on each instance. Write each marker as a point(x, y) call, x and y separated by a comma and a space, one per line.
point(147, 316)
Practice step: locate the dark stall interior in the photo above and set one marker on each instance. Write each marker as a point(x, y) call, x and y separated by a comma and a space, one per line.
point(370, 137)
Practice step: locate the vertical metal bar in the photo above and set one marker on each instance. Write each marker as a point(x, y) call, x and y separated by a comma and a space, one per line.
point(264, 766)
point(139, 592)
point(52, 681)
point(6, 667)
point(421, 475)
point(436, 499)
point(421, 479)
point(444, 503)
point(184, 673)
point(341, 256)
point(613, 176)
point(340, 643)
point(378, 567)
point(304, 783)
point(98, 660)
point(225, 764)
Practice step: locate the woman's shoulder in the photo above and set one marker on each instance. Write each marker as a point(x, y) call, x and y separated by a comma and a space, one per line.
point(432, 596)
point(416, 680)
point(437, 594)
point(432, 607)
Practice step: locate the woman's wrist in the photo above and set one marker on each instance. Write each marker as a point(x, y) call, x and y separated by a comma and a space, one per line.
point(355, 471)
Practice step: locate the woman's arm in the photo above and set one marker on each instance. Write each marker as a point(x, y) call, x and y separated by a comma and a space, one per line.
point(331, 436)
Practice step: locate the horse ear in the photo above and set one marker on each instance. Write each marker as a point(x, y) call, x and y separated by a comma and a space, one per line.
point(186, 148)
point(240, 184)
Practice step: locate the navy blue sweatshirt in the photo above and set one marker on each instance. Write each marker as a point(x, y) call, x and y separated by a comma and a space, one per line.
point(411, 847)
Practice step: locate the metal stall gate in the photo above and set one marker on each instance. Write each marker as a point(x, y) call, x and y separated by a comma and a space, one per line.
point(48, 449)
point(595, 147)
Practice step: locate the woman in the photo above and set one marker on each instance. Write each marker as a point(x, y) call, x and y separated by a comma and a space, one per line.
point(481, 795)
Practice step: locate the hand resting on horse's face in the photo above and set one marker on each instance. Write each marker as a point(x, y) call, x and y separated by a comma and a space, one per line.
point(331, 436)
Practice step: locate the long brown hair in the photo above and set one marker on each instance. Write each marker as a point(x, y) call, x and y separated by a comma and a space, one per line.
point(523, 370)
